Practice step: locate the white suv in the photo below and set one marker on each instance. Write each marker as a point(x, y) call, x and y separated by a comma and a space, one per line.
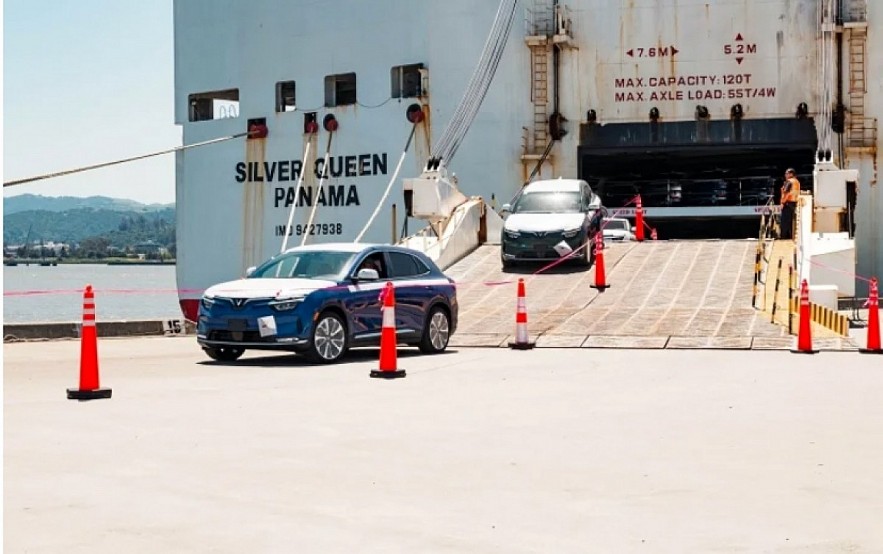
point(549, 219)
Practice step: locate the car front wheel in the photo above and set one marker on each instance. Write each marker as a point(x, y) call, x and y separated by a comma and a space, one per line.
point(436, 331)
point(224, 353)
point(329, 339)
point(587, 256)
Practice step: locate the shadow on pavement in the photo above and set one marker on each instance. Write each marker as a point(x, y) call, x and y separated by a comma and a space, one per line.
point(296, 360)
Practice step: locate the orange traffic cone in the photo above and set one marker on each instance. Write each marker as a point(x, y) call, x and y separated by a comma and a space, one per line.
point(89, 388)
point(873, 321)
point(639, 221)
point(522, 341)
point(388, 369)
point(804, 334)
point(600, 279)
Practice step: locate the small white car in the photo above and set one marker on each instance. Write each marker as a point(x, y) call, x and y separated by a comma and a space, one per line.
point(617, 229)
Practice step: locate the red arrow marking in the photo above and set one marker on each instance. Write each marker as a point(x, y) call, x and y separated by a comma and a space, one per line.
point(738, 36)
point(674, 50)
point(739, 60)
point(630, 52)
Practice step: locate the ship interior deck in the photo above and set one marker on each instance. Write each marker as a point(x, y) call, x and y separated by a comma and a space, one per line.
point(708, 167)
point(662, 294)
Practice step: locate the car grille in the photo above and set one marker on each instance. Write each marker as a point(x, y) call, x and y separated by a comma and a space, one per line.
point(538, 253)
point(544, 235)
point(239, 336)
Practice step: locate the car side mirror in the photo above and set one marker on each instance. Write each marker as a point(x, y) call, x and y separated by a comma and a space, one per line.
point(249, 271)
point(505, 208)
point(367, 274)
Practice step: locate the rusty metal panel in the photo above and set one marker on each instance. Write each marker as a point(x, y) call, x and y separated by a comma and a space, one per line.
point(676, 56)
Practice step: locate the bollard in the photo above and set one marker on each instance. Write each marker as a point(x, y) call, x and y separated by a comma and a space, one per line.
point(776, 291)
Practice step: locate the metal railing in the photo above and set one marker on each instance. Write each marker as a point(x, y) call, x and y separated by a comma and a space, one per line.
point(854, 11)
point(538, 19)
point(862, 133)
point(563, 21)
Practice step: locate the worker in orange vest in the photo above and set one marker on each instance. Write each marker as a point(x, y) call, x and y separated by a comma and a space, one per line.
point(790, 194)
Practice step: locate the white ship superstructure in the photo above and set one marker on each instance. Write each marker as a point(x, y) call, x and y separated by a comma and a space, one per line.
point(697, 106)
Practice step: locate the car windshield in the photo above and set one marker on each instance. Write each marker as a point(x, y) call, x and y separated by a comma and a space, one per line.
point(545, 202)
point(312, 264)
point(614, 224)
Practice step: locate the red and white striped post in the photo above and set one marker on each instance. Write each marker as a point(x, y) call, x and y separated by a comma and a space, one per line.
point(804, 332)
point(522, 340)
point(89, 386)
point(600, 274)
point(388, 368)
point(873, 321)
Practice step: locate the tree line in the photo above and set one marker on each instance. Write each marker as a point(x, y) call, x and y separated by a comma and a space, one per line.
point(90, 233)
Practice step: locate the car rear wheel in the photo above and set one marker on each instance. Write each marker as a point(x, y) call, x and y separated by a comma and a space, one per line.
point(329, 339)
point(224, 353)
point(436, 331)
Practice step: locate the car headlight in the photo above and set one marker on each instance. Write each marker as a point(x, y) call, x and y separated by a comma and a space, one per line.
point(511, 233)
point(208, 302)
point(285, 304)
point(570, 233)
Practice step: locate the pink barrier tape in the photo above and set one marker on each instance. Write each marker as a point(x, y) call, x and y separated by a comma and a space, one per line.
point(848, 273)
point(100, 291)
point(844, 272)
point(36, 292)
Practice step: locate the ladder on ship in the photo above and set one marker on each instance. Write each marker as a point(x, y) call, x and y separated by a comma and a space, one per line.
point(546, 24)
point(539, 26)
point(861, 129)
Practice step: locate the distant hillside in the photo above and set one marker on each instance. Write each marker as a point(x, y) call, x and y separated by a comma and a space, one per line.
point(33, 202)
point(121, 228)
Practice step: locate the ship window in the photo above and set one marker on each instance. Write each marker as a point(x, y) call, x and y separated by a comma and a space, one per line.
point(285, 96)
point(406, 81)
point(340, 90)
point(216, 104)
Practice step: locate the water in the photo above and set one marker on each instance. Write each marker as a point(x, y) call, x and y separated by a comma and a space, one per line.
point(121, 292)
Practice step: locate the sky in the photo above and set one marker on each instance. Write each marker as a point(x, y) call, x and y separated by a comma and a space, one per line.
point(85, 82)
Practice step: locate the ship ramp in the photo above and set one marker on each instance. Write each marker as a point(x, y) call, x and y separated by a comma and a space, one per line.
point(662, 294)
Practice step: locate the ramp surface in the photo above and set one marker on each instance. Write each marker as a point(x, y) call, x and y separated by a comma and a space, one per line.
point(663, 294)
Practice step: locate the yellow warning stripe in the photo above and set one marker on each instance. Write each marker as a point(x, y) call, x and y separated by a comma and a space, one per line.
point(823, 316)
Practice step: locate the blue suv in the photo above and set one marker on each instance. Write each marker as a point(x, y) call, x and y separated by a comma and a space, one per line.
point(320, 300)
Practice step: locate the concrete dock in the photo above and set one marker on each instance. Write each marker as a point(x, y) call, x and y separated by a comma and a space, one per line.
point(477, 450)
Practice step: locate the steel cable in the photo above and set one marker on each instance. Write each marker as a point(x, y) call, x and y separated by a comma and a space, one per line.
point(116, 162)
point(388, 186)
point(478, 84)
point(325, 172)
point(300, 181)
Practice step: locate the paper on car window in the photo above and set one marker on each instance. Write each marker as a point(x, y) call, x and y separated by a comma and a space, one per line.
point(267, 325)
